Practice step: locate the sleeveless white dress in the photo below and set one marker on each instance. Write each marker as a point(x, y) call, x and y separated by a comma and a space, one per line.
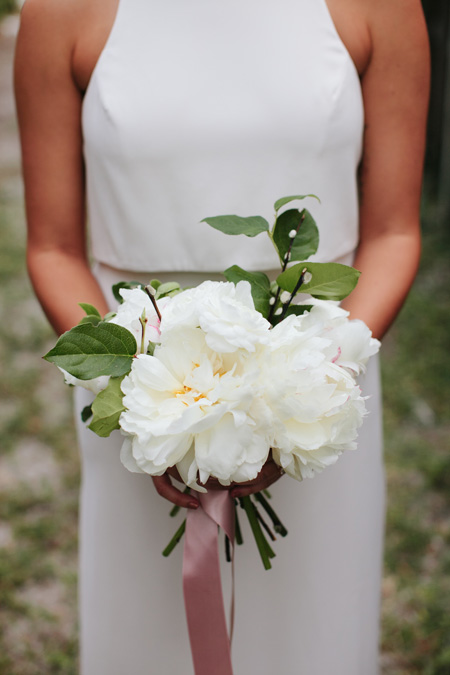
point(197, 109)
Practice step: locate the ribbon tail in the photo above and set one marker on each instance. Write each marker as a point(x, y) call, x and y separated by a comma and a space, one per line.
point(205, 613)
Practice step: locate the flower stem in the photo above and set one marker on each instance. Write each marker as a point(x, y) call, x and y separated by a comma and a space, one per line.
point(150, 292)
point(238, 534)
point(227, 549)
point(264, 548)
point(175, 539)
point(287, 257)
point(264, 524)
point(277, 524)
point(293, 294)
point(274, 306)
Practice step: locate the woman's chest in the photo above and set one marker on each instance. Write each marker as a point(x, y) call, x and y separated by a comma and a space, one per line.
point(203, 76)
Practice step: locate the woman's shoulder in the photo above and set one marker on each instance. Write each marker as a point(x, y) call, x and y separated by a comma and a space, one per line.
point(48, 16)
point(66, 35)
point(399, 37)
point(366, 26)
point(399, 23)
point(48, 30)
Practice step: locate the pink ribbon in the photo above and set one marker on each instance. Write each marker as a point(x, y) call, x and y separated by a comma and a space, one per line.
point(205, 613)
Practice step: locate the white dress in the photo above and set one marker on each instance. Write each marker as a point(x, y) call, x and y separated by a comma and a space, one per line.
point(196, 109)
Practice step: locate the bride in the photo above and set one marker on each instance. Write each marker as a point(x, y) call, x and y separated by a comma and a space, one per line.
point(150, 116)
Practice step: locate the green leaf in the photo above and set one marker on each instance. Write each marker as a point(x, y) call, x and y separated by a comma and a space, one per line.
point(155, 283)
point(86, 413)
point(88, 351)
point(251, 226)
point(109, 316)
point(298, 310)
point(329, 281)
point(167, 288)
point(124, 284)
point(107, 408)
point(90, 309)
point(305, 242)
point(260, 286)
point(285, 200)
point(94, 319)
point(151, 347)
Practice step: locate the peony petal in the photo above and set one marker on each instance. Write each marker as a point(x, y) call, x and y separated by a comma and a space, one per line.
point(126, 456)
point(188, 469)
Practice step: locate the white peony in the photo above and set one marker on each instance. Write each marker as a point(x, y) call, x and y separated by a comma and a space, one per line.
point(224, 311)
point(316, 405)
point(223, 388)
point(194, 408)
point(352, 341)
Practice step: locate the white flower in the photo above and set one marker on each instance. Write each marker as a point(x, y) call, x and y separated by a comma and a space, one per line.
point(355, 344)
point(224, 311)
point(352, 340)
point(222, 388)
point(316, 405)
point(190, 407)
point(135, 302)
point(96, 385)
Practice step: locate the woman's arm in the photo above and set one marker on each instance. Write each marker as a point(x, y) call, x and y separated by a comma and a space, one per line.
point(49, 111)
point(395, 88)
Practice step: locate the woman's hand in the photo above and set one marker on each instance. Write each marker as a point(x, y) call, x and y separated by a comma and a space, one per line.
point(166, 489)
point(268, 475)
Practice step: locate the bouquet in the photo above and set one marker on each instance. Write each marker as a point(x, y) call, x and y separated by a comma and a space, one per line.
point(216, 379)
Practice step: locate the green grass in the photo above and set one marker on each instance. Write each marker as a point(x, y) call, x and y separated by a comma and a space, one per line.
point(7, 6)
point(416, 379)
point(38, 506)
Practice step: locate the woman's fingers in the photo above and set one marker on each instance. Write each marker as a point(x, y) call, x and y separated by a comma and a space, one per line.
point(165, 489)
point(270, 473)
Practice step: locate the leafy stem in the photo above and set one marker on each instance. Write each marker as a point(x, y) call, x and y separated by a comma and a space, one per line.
point(293, 294)
point(284, 264)
point(151, 292)
point(287, 257)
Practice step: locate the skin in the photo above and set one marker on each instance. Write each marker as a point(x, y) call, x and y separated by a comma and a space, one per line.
point(58, 46)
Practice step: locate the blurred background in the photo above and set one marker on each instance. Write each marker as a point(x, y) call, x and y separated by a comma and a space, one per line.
point(39, 469)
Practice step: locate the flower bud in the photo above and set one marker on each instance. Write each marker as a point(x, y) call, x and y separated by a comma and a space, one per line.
point(272, 301)
point(284, 297)
point(278, 311)
point(292, 234)
point(307, 277)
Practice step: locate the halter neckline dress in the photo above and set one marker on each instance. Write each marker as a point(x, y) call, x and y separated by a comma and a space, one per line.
point(197, 109)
